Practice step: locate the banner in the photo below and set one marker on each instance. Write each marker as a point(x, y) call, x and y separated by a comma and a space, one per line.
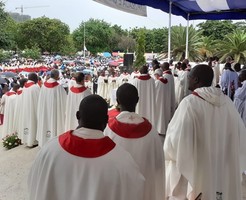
point(125, 6)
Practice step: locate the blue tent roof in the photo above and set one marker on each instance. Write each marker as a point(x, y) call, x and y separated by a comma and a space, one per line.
point(200, 9)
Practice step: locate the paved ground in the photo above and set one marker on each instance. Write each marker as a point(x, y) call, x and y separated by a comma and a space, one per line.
point(14, 168)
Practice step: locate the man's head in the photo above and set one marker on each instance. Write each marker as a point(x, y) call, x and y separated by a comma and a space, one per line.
point(33, 77)
point(22, 82)
point(79, 77)
point(200, 76)
point(144, 69)
point(158, 73)
point(242, 76)
point(237, 67)
point(93, 113)
point(54, 74)
point(16, 87)
point(165, 66)
point(127, 97)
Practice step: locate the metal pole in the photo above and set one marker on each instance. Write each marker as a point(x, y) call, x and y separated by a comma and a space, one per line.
point(169, 31)
point(187, 38)
point(84, 40)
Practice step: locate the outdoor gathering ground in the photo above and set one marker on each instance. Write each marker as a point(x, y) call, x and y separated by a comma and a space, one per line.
point(14, 168)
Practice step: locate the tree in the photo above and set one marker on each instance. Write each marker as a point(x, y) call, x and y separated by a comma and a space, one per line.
point(33, 52)
point(127, 43)
point(8, 29)
point(216, 29)
point(207, 48)
point(47, 34)
point(178, 43)
point(234, 45)
point(140, 50)
point(97, 36)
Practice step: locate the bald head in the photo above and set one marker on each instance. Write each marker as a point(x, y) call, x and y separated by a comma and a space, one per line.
point(200, 76)
point(33, 77)
point(93, 113)
point(127, 97)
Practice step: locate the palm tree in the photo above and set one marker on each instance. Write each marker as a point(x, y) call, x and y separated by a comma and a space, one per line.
point(178, 42)
point(234, 45)
point(207, 48)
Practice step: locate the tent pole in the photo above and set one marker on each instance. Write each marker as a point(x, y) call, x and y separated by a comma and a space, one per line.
point(187, 37)
point(169, 31)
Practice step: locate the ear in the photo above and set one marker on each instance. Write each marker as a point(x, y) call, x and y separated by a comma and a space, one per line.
point(77, 115)
point(196, 80)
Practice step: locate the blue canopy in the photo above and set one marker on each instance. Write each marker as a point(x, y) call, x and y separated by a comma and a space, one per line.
point(200, 9)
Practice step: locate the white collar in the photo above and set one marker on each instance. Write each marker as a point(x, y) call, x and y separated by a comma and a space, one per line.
point(87, 133)
point(129, 117)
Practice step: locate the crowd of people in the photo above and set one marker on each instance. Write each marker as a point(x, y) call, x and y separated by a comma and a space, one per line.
point(162, 132)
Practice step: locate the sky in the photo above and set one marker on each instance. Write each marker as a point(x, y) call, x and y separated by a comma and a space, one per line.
point(73, 12)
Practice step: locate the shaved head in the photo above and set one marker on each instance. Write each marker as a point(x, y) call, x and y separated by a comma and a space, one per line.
point(33, 77)
point(93, 113)
point(200, 76)
point(127, 97)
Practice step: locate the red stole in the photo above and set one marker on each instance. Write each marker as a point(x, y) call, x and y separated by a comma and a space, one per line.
point(130, 130)
point(196, 94)
point(163, 80)
point(10, 93)
point(77, 89)
point(19, 92)
point(144, 77)
point(113, 113)
point(167, 72)
point(27, 85)
point(50, 85)
point(87, 148)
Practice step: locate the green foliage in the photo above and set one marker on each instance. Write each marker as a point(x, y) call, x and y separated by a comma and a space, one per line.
point(4, 55)
point(11, 141)
point(140, 50)
point(234, 45)
point(69, 47)
point(178, 43)
point(33, 52)
point(207, 48)
point(97, 36)
point(47, 34)
point(216, 29)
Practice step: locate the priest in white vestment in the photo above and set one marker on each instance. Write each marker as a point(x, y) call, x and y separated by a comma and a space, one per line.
point(102, 88)
point(84, 164)
point(51, 109)
point(240, 97)
point(145, 85)
point(9, 111)
point(205, 144)
point(75, 94)
point(137, 136)
point(28, 111)
point(167, 74)
point(18, 106)
point(162, 103)
point(125, 77)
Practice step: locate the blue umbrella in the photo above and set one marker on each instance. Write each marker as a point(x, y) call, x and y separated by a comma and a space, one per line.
point(107, 54)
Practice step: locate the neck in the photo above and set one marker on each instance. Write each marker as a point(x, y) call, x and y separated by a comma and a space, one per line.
point(122, 108)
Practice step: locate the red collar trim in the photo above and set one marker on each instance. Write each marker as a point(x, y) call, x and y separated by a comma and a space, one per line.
point(167, 72)
point(78, 89)
point(163, 80)
point(113, 113)
point(130, 130)
point(27, 85)
point(19, 92)
point(10, 93)
point(87, 148)
point(50, 85)
point(144, 77)
point(196, 94)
